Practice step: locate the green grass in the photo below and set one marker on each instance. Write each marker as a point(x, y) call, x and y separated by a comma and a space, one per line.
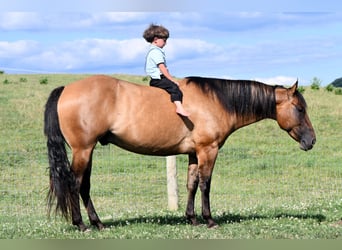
point(263, 186)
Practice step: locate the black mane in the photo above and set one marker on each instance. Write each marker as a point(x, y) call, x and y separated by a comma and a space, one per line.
point(241, 97)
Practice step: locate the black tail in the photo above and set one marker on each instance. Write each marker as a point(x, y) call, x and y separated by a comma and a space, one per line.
point(62, 180)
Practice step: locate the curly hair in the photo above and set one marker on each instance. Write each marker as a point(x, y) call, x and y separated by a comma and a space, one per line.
point(155, 31)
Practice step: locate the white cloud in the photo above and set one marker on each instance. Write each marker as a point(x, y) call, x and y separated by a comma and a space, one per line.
point(96, 53)
point(118, 17)
point(178, 49)
point(86, 54)
point(17, 49)
point(97, 21)
point(10, 21)
point(20, 21)
point(278, 80)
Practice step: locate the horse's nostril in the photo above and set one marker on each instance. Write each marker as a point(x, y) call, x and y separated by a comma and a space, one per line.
point(314, 141)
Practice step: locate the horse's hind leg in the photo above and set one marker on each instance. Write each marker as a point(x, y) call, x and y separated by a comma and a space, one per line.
point(80, 161)
point(85, 194)
point(192, 185)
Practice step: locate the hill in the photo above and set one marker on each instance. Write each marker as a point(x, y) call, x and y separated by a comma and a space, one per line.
point(337, 83)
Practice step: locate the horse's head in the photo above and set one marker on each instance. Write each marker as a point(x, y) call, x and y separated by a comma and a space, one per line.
point(293, 118)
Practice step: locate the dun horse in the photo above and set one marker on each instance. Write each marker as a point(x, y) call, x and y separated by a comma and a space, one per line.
point(143, 120)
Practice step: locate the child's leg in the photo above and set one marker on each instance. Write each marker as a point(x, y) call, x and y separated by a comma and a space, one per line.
point(174, 91)
point(180, 109)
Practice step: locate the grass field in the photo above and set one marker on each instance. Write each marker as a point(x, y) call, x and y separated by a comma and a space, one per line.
point(263, 187)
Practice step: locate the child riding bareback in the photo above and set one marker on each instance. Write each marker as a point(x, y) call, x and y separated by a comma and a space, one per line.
point(155, 66)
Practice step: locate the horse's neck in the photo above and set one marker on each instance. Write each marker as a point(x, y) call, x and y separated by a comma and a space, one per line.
point(258, 112)
point(243, 121)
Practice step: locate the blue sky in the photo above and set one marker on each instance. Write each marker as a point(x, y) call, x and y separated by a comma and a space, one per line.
point(272, 46)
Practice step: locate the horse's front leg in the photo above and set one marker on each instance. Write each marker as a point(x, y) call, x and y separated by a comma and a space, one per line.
point(192, 185)
point(206, 162)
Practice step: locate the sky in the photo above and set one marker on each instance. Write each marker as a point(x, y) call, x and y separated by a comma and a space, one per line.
point(275, 46)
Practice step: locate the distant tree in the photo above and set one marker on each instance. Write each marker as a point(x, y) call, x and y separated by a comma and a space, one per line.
point(337, 83)
point(338, 91)
point(316, 83)
point(329, 88)
point(301, 89)
point(2, 72)
point(43, 81)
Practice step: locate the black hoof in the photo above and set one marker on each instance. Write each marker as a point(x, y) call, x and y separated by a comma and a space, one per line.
point(212, 224)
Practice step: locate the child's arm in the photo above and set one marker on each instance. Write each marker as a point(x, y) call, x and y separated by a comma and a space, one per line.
point(166, 73)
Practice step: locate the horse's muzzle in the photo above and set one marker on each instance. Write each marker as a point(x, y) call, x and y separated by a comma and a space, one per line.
point(307, 144)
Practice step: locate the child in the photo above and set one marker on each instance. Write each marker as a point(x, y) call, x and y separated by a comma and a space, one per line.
point(156, 68)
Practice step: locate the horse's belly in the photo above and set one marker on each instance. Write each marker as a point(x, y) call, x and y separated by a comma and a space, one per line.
point(150, 142)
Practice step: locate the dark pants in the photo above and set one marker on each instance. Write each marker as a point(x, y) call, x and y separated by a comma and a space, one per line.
point(169, 86)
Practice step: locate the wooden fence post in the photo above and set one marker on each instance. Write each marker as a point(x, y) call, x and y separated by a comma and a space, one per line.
point(172, 187)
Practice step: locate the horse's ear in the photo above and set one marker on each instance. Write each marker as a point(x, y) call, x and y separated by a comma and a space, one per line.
point(294, 87)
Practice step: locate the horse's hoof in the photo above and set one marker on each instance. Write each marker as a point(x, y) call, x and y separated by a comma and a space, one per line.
point(193, 221)
point(100, 226)
point(212, 225)
point(83, 228)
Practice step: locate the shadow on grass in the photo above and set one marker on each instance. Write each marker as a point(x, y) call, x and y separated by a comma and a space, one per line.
point(220, 220)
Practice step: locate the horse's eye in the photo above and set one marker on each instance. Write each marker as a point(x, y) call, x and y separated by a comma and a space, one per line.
point(300, 109)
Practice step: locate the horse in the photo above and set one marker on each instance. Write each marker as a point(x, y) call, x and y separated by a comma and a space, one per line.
point(142, 119)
